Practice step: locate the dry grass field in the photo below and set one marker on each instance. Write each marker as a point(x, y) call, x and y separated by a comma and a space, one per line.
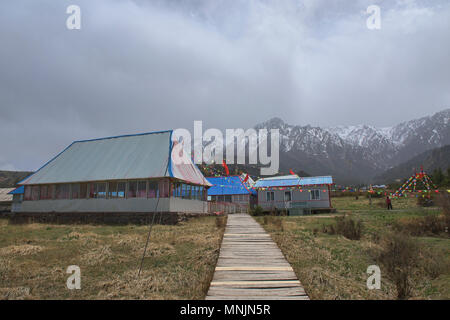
point(410, 244)
point(179, 264)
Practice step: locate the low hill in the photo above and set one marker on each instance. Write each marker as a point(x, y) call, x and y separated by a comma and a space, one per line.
point(431, 159)
point(9, 179)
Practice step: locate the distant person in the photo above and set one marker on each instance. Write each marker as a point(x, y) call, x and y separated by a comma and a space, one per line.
point(389, 203)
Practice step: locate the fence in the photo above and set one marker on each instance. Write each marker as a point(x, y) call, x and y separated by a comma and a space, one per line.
point(226, 207)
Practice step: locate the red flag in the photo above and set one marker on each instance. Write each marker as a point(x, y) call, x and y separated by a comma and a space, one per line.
point(246, 178)
point(227, 172)
point(291, 172)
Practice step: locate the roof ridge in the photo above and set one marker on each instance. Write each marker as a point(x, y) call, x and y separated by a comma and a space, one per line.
point(124, 136)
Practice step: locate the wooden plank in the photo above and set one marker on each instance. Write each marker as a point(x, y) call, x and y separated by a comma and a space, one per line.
point(248, 282)
point(251, 266)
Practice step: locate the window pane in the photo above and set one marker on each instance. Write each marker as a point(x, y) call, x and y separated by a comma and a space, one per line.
point(142, 186)
point(100, 190)
point(92, 190)
point(35, 193)
point(76, 191)
point(62, 191)
point(152, 189)
point(163, 188)
point(43, 192)
point(83, 190)
point(27, 194)
point(112, 190)
point(132, 189)
point(287, 196)
point(185, 191)
point(178, 190)
point(50, 190)
point(193, 192)
point(121, 189)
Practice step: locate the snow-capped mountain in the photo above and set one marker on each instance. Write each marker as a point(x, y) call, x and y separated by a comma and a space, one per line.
point(357, 153)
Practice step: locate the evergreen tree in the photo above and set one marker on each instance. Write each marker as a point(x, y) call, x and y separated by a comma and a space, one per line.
point(438, 177)
point(447, 178)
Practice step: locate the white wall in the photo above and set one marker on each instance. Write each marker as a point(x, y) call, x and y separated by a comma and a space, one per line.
point(298, 199)
point(116, 205)
point(95, 205)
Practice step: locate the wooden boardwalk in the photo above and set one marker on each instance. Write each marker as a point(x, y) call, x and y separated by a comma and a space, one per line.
point(251, 266)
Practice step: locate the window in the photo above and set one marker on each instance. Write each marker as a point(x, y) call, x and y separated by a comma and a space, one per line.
point(194, 192)
point(112, 190)
point(91, 190)
point(314, 194)
point(46, 192)
point(83, 190)
point(202, 193)
point(27, 195)
point(132, 189)
point(98, 190)
point(152, 189)
point(35, 192)
point(121, 187)
point(176, 190)
point(76, 191)
point(142, 189)
point(62, 191)
point(163, 186)
point(228, 198)
point(197, 192)
point(287, 196)
point(116, 190)
point(270, 196)
point(186, 191)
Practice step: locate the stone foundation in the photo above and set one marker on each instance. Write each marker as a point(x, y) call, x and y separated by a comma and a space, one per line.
point(109, 218)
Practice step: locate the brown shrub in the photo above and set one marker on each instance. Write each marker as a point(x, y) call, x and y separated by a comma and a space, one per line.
point(433, 263)
point(275, 221)
point(221, 222)
point(399, 256)
point(444, 202)
point(257, 211)
point(346, 227)
point(420, 226)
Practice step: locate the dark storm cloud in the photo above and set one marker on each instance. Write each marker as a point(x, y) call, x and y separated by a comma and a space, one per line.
point(149, 65)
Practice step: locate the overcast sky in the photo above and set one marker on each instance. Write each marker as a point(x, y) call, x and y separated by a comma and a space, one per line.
point(142, 65)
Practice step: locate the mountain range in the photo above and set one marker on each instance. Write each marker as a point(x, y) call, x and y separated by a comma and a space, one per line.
point(351, 154)
point(358, 153)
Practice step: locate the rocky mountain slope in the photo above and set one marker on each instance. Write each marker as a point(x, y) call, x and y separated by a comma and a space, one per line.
point(355, 154)
point(430, 160)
